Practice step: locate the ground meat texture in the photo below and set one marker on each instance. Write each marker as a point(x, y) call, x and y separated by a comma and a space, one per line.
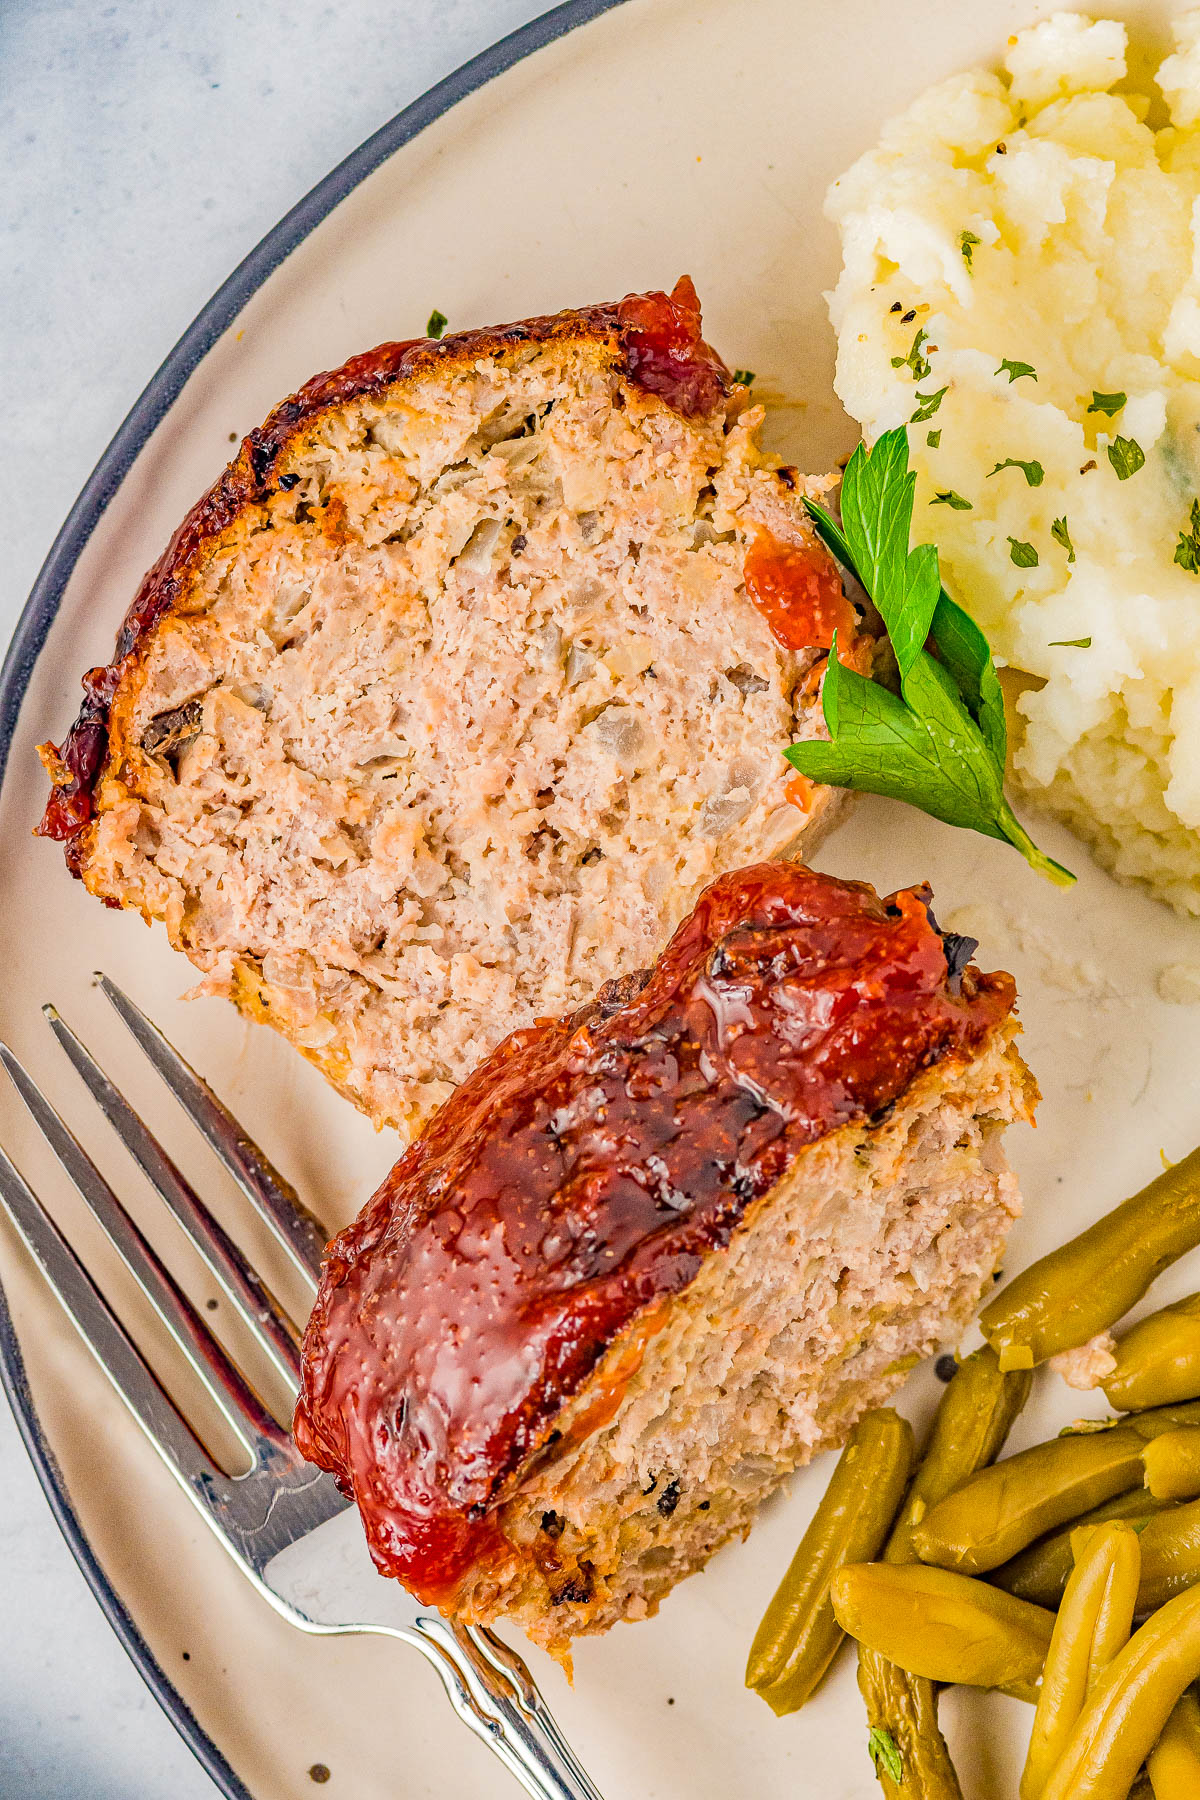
point(653, 1255)
point(450, 696)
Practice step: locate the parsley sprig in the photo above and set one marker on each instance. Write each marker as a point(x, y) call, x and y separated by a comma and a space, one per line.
point(883, 1752)
point(940, 744)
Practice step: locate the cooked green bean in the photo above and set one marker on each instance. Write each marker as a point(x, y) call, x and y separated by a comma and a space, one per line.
point(799, 1637)
point(905, 1706)
point(1129, 1706)
point(1174, 1762)
point(1158, 1359)
point(1000, 1510)
point(1086, 1286)
point(1040, 1573)
point(1161, 1418)
point(1170, 1555)
point(1172, 1464)
point(1092, 1625)
point(974, 1417)
point(943, 1626)
point(976, 1414)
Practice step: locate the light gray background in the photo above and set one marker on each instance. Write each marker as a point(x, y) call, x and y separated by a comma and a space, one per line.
point(146, 146)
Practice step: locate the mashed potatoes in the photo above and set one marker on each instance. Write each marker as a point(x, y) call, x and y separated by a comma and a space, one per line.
point(1022, 283)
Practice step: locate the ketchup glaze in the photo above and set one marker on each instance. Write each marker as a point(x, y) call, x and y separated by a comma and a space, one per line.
point(578, 1178)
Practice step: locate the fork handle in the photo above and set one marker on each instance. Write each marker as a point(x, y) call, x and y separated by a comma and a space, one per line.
point(493, 1692)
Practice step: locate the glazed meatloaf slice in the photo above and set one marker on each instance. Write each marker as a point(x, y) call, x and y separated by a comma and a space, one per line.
point(651, 1257)
point(454, 691)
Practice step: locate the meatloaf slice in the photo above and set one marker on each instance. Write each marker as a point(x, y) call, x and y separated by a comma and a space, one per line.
point(450, 696)
point(651, 1257)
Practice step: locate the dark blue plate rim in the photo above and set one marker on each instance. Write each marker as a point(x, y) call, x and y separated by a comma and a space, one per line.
point(39, 613)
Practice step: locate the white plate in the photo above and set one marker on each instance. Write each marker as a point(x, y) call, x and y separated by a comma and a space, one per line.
point(666, 135)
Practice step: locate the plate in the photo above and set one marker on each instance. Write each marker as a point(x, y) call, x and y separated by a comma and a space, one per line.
point(655, 137)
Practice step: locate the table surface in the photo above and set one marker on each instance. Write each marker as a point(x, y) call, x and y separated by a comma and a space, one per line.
point(124, 132)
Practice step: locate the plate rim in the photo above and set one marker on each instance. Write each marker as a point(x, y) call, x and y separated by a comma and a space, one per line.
point(29, 639)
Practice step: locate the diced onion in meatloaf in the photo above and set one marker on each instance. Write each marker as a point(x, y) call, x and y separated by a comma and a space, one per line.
point(651, 1257)
point(451, 695)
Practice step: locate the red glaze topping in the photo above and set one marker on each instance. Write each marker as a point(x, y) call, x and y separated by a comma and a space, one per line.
point(657, 344)
point(580, 1176)
point(665, 354)
point(798, 590)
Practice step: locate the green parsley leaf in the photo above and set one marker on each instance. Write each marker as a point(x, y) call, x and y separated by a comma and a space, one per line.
point(948, 497)
point(967, 242)
point(1108, 404)
point(929, 404)
point(881, 1748)
point(1070, 644)
point(1034, 472)
point(1126, 456)
point(933, 438)
point(1060, 534)
point(877, 505)
point(1022, 554)
point(1015, 370)
point(437, 324)
point(743, 377)
point(919, 364)
point(940, 743)
point(964, 650)
point(1187, 550)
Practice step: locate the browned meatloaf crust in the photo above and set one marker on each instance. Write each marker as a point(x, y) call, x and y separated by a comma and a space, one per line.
point(652, 1256)
point(447, 699)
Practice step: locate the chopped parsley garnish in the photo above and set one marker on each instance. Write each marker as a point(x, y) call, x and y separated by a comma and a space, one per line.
point(967, 242)
point(933, 438)
point(1060, 534)
point(929, 404)
point(743, 377)
point(948, 497)
point(1126, 456)
point(1015, 370)
point(1108, 404)
point(940, 743)
point(1021, 553)
point(1070, 644)
point(881, 1748)
point(1187, 550)
point(437, 324)
point(919, 364)
point(1034, 472)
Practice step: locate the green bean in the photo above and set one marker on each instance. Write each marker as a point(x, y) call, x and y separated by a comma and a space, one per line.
point(906, 1707)
point(974, 1417)
point(976, 1414)
point(943, 1626)
point(1093, 1623)
point(1161, 1418)
point(1174, 1762)
point(1158, 1359)
point(799, 1637)
point(1084, 1287)
point(1040, 1573)
point(1000, 1510)
point(1130, 1704)
point(1172, 1464)
point(1170, 1555)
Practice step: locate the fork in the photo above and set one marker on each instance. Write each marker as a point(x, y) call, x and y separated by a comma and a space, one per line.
point(285, 1523)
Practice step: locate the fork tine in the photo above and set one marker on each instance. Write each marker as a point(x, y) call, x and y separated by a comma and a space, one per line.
point(100, 1330)
point(221, 1256)
point(273, 1198)
point(229, 1393)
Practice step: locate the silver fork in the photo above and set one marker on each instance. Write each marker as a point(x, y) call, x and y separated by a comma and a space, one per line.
point(284, 1523)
